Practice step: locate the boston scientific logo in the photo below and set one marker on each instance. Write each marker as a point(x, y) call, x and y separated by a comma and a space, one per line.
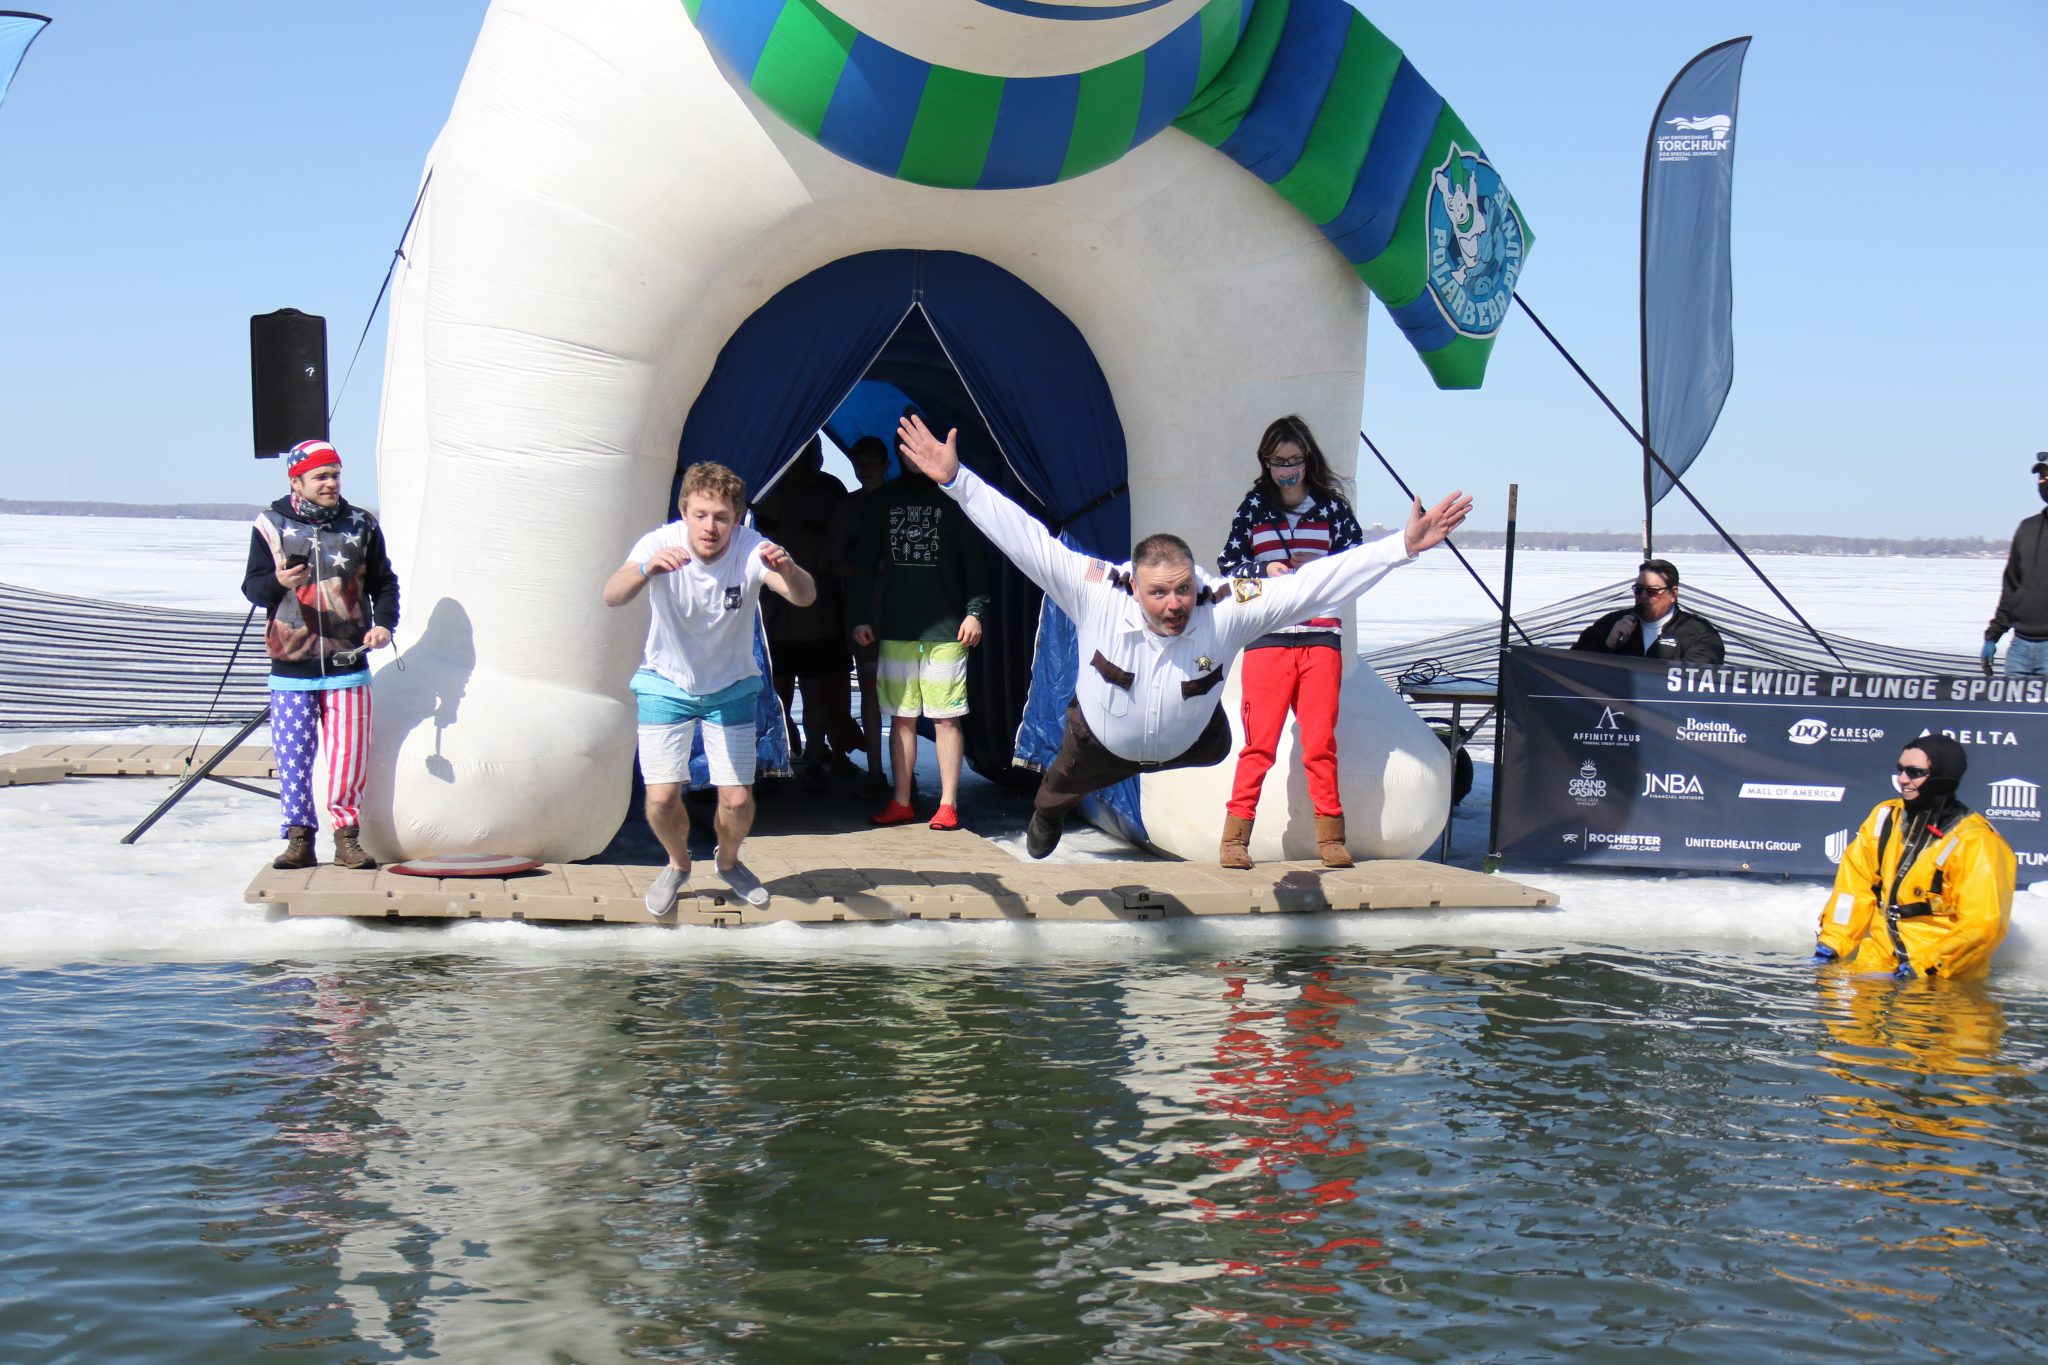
point(1710, 732)
point(1608, 732)
point(1691, 137)
point(2015, 799)
point(1588, 788)
point(1475, 244)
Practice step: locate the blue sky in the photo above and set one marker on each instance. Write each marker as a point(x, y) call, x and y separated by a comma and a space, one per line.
point(170, 170)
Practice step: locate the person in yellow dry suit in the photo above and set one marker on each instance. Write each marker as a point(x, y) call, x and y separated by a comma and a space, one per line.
point(1926, 888)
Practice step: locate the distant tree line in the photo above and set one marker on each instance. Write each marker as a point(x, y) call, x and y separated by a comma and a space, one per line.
point(168, 511)
point(1931, 547)
point(1673, 546)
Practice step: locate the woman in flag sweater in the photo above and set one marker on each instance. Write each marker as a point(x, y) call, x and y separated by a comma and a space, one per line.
point(1294, 513)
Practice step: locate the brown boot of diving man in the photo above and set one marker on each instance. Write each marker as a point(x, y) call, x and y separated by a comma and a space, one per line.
point(1330, 841)
point(348, 853)
point(1237, 838)
point(298, 849)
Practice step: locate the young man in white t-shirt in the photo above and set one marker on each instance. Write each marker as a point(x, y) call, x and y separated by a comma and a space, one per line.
point(704, 575)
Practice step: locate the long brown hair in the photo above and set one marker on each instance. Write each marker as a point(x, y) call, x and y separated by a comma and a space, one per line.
point(1315, 470)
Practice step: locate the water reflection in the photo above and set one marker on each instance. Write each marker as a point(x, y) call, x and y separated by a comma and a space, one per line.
point(1296, 1154)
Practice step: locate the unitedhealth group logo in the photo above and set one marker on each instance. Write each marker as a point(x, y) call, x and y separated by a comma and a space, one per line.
point(1836, 845)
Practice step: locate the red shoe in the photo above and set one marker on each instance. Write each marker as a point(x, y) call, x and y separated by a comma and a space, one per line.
point(946, 818)
point(895, 813)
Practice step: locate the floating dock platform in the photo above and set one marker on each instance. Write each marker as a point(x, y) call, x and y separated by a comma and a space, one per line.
point(861, 876)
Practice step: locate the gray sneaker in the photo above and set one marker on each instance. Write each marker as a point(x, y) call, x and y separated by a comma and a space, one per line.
point(666, 890)
point(744, 884)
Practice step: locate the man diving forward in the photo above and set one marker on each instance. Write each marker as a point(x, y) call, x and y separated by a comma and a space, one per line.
point(1154, 644)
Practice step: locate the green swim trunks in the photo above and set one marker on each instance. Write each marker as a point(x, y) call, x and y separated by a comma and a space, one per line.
point(923, 678)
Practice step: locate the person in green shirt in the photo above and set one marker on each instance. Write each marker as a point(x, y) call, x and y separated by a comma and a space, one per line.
point(921, 571)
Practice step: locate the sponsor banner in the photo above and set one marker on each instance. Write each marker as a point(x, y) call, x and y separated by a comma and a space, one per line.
point(1635, 763)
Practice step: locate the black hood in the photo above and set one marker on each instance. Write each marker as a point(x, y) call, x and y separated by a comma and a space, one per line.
point(1946, 763)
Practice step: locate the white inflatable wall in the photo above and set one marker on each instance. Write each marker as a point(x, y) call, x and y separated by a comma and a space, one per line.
point(605, 209)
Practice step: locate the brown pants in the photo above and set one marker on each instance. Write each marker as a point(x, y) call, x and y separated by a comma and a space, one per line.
point(1083, 766)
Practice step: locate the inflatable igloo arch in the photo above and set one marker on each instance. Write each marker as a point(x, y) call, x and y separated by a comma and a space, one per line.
point(656, 231)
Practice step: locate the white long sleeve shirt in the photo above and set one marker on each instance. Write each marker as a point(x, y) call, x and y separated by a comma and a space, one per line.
point(1154, 719)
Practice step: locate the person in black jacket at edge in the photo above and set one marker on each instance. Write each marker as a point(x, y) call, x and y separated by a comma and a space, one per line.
point(2023, 597)
point(1656, 627)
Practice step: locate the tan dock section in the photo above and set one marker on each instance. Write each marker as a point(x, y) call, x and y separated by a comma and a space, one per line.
point(862, 876)
point(21, 770)
point(136, 760)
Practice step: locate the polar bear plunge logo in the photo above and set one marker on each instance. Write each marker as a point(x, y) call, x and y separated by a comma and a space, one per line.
point(1475, 244)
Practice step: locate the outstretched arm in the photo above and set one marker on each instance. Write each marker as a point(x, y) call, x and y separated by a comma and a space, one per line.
point(1051, 565)
point(1326, 584)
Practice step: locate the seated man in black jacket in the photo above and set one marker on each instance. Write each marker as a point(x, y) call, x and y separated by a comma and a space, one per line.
point(1656, 627)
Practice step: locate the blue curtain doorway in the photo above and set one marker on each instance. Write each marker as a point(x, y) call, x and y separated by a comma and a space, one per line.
point(975, 348)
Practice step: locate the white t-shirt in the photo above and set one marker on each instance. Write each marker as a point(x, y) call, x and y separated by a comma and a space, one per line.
point(701, 634)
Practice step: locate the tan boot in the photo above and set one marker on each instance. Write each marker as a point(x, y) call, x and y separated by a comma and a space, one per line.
point(348, 853)
point(1330, 841)
point(298, 849)
point(1237, 838)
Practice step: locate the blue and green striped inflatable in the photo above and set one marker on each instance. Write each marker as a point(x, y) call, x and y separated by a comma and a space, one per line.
point(1306, 94)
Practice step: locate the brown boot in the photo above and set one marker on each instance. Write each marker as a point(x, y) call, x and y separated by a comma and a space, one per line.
point(1237, 838)
point(1330, 841)
point(348, 853)
point(298, 849)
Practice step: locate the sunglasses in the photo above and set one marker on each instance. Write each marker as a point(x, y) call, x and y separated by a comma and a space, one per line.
point(1645, 590)
point(1910, 770)
point(1295, 463)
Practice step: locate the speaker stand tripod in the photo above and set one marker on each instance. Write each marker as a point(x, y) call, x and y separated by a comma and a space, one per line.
point(204, 773)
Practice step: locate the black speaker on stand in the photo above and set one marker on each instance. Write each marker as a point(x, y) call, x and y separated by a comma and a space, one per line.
point(287, 379)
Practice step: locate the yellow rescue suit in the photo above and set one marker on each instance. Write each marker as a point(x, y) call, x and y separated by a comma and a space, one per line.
point(1947, 914)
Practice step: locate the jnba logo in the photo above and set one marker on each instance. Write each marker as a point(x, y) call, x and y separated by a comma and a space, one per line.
point(1836, 845)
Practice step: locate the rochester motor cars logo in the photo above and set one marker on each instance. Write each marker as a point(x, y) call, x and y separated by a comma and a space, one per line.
point(1691, 137)
point(1813, 731)
point(1588, 788)
point(1608, 731)
point(1710, 732)
point(2015, 798)
point(1629, 843)
point(1673, 787)
point(1475, 243)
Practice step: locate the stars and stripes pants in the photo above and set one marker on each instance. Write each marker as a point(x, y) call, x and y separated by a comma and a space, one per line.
point(336, 720)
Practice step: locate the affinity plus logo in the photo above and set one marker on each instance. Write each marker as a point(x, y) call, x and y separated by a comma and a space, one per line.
point(1709, 135)
point(1609, 732)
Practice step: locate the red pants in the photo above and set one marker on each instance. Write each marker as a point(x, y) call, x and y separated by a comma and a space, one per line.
point(1276, 680)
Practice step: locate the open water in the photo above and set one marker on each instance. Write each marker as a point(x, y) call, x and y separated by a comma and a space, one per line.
point(1293, 1153)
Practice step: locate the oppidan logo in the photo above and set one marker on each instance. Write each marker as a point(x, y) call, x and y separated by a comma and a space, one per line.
point(2015, 798)
point(1588, 788)
point(1475, 244)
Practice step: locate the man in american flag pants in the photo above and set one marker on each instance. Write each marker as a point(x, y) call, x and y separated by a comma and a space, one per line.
point(318, 568)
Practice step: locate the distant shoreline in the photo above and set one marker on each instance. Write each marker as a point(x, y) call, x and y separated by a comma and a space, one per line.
point(1940, 547)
